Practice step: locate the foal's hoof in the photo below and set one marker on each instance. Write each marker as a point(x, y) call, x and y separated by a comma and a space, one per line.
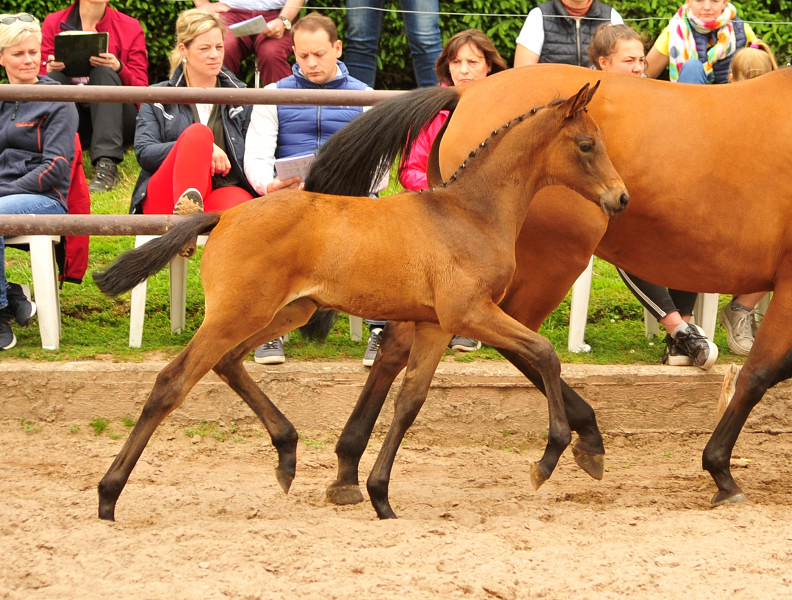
point(593, 464)
point(284, 479)
point(344, 494)
point(723, 498)
point(538, 476)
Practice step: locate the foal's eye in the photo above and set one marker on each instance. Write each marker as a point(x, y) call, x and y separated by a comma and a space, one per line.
point(586, 146)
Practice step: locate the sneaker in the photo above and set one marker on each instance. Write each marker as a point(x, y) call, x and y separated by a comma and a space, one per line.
point(696, 345)
point(189, 203)
point(19, 304)
point(739, 323)
point(270, 353)
point(464, 344)
point(7, 337)
point(105, 177)
point(674, 355)
point(375, 337)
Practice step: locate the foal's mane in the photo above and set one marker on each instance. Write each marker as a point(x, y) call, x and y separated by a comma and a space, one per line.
point(486, 143)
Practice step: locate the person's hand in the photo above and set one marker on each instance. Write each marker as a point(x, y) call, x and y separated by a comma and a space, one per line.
point(106, 59)
point(292, 183)
point(215, 7)
point(220, 162)
point(54, 65)
point(275, 29)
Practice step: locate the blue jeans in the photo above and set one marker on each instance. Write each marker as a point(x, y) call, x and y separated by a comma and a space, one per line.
point(23, 204)
point(364, 28)
point(692, 72)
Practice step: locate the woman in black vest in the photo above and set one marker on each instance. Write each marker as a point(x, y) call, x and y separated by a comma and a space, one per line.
point(698, 44)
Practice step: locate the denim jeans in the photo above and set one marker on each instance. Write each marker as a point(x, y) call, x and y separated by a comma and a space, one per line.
point(23, 204)
point(692, 72)
point(364, 28)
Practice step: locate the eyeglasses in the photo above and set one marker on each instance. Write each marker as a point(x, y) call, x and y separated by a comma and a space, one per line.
point(20, 17)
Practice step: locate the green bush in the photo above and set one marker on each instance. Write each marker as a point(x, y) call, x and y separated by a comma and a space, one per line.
point(158, 20)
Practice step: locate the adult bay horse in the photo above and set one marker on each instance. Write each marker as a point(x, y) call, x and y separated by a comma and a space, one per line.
point(710, 212)
point(435, 276)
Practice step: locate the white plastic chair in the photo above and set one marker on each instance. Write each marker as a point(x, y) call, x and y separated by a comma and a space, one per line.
point(45, 285)
point(705, 313)
point(178, 295)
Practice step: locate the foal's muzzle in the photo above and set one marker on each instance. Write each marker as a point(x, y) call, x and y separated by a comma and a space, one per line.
point(614, 200)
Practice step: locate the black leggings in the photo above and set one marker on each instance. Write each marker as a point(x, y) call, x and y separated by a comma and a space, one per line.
point(658, 300)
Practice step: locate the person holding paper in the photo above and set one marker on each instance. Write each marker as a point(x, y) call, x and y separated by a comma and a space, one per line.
point(35, 156)
point(279, 132)
point(191, 155)
point(272, 46)
point(105, 128)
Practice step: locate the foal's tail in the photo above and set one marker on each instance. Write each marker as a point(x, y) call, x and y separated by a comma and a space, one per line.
point(359, 155)
point(135, 266)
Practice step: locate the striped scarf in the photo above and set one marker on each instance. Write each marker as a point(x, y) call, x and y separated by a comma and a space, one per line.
point(682, 44)
point(577, 12)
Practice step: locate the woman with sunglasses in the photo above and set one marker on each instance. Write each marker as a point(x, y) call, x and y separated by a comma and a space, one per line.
point(36, 154)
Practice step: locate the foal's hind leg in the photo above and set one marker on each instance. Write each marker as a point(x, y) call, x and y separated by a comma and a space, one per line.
point(427, 350)
point(588, 451)
point(230, 369)
point(394, 351)
point(171, 387)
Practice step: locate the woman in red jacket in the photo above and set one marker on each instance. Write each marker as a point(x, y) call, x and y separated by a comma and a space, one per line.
point(106, 128)
point(468, 56)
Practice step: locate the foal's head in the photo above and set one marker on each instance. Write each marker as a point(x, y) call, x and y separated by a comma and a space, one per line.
point(575, 154)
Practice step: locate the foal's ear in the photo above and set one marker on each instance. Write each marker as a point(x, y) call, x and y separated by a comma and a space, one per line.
point(580, 100)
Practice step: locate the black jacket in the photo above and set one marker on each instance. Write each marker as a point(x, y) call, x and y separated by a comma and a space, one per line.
point(37, 146)
point(566, 40)
point(159, 126)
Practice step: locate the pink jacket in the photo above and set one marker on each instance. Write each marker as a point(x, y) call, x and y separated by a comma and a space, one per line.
point(127, 41)
point(413, 177)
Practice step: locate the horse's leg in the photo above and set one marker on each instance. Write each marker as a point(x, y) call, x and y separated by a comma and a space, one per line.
point(773, 342)
point(428, 346)
point(231, 369)
point(588, 450)
point(394, 351)
point(213, 339)
point(488, 323)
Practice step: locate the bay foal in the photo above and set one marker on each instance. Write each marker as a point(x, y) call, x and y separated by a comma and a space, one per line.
point(450, 257)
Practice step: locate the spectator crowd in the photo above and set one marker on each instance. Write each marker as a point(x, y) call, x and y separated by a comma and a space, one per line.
point(210, 158)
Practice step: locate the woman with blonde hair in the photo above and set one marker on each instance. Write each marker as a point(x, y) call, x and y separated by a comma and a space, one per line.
point(191, 155)
point(617, 48)
point(35, 157)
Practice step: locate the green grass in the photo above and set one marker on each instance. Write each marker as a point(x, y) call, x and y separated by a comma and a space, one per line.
point(99, 424)
point(96, 327)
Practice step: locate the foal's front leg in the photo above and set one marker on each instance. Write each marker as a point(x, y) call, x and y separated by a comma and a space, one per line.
point(428, 347)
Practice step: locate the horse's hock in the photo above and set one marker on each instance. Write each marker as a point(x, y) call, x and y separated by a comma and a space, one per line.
point(485, 402)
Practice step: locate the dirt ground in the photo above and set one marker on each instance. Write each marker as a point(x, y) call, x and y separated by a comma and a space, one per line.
point(206, 519)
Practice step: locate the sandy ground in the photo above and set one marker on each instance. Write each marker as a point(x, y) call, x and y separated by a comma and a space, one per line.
point(208, 520)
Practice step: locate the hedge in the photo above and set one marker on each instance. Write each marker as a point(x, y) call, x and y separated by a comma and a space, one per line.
point(158, 20)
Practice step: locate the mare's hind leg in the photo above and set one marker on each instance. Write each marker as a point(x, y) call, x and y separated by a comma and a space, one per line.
point(172, 385)
point(773, 341)
point(488, 323)
point(588, 450)
point(394, 351)
point(230, 369)
point(427, 350)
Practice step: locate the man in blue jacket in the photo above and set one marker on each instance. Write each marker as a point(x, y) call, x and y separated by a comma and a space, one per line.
point(289, 131)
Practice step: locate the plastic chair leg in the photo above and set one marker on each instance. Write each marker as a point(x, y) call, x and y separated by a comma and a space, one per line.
point(578, 311)
point(178, 293)
point(45, 286)
point(137, 307)
point(706, 313)
point(355, 328)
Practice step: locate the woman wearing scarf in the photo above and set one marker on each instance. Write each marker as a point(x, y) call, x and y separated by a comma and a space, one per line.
point(699, 43)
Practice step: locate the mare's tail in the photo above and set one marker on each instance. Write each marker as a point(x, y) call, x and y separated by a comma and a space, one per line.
point(359, 155)
point(135, 266)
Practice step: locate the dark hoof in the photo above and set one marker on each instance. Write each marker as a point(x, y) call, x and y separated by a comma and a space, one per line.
point(593, 464)
point(107, 513)
point(538, 476)
point(723, 498)
point(284, 479)
point(385, 512)
point(344, 494)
